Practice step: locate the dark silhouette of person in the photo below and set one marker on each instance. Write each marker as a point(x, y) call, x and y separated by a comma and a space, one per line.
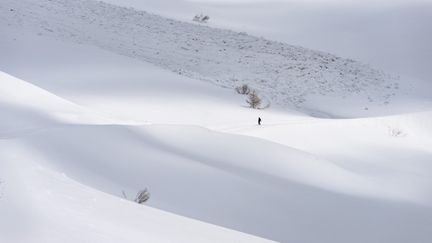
point(259, 120)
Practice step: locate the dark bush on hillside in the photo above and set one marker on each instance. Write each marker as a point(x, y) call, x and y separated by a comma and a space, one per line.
point(244, 89)
point(200, 18)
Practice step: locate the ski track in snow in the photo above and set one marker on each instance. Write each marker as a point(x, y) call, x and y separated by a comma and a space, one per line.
point(283, 73)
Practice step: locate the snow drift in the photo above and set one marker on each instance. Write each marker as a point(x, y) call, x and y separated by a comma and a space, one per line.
point(194, 172)
point(93, 120)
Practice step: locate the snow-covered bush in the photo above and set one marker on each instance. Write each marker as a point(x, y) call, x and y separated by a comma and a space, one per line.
point(254, 100)
point(200, 18)
point(396, 132)
point(244, 89)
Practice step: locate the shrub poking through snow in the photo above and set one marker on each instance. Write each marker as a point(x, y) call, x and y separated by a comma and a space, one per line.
point(200, 18)
point(142, 196)
point(244, 89)
point(254, 100)
point(396, 132)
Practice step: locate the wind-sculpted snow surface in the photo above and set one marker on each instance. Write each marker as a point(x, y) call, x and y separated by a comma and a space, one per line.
point(88, 123)
point(25, 107)
point(54, 178)
point(39, 203)
point(285, 74)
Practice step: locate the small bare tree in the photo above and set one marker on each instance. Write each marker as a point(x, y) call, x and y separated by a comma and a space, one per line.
point(244, 89)
point(254, 100)
point(142, 196)
point(200, 18)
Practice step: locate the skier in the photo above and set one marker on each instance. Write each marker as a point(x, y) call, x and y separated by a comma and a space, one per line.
point(259, 120)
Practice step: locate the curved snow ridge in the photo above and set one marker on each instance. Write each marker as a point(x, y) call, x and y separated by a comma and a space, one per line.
point(417, 123)
point(413, 125)
point(40, 204)
point(281, 163)
point(286, 74)
point(392, 151)
point(216, 177)
point(137, 149)
point(25, 107)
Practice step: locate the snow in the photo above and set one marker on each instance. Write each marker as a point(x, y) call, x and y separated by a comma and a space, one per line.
point(83, 119)
point(288, 75)
point(33, 108)
point(42, 205)
point(391, 35)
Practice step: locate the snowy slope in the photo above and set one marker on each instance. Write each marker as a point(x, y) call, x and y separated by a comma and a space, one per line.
point(89, 123)
point(249, 200)
point(37, 196)
point(126, 89)
point(173, 160)
point(39, 204)
point(27, 107)
point(234, 174)
point(389, 34)
point(287, 75)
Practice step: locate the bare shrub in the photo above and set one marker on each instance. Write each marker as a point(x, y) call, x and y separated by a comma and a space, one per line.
point(142, 196)
point(200, 18)
point(254, 100)
point(205, 19)
point(244, 89)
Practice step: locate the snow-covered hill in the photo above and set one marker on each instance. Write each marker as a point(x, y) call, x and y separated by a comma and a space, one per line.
point(252, 181)
point(40, 203)
point(87, 119)
point(287, 75)
point(25, 107)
